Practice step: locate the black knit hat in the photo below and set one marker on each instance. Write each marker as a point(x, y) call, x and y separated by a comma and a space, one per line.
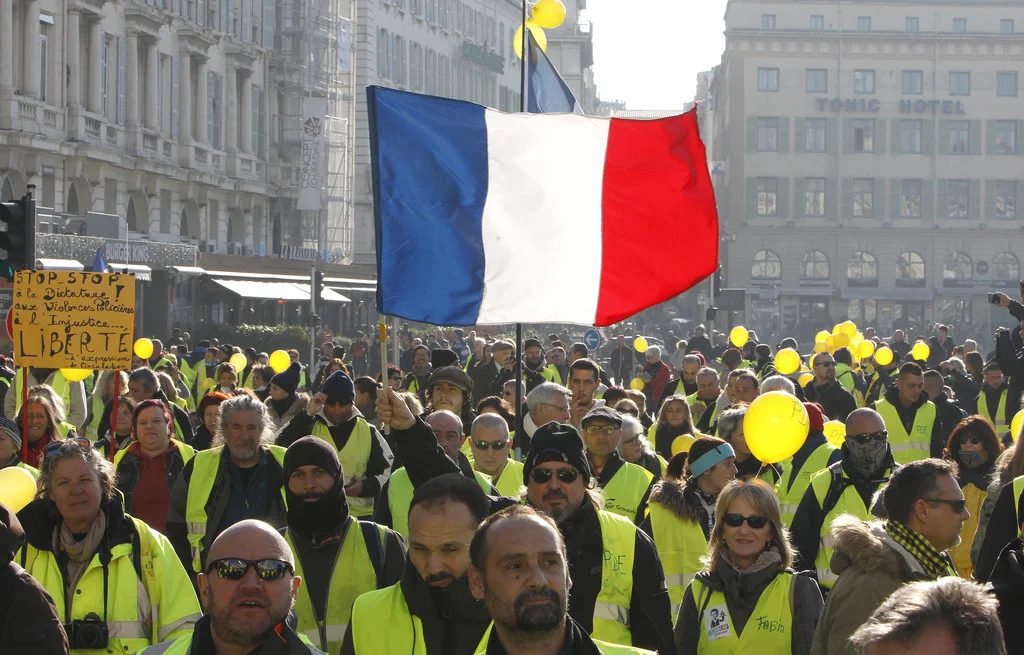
point(339, 387)
point(557, 442)
point(288, 379)
point(443, 357)
point(312, 451)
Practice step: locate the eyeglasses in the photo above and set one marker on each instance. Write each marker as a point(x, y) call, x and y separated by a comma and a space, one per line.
point(958, 505)
point(736, 520)
point(608, 430)
point(233, 568)
point(826, 364)
point(543, 476)
point(55, 446)
point(973, 438)
point(562, 408)
point(631, 441)
point(495, 445)
point(865, 438)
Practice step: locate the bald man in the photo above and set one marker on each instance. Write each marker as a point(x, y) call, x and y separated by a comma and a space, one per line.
point(247, 590)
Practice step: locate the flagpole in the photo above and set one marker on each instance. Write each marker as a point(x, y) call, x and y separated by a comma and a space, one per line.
point(519, 326)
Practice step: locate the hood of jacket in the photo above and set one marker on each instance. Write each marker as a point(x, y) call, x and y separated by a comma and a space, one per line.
point(674, 496)
point(12, 536)
point(40, 517)
point(867, 546)
point(298, 405)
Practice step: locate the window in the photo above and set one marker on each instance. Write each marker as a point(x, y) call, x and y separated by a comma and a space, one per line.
point(862, 270)
point(958, 198)
point(959, 137)
point(817, 80)
point(864, 23)
point(863, 81)
point(767, 21)
point(910, 199)
point(766, 266)
point(959, 26)
point(383, 42)
point(817, 23)
point(816, 130)
point(913, 83)
point(1006, 199)
point(864, 135)
point(913, 24)
point(863, 197)
point(960, 83)
point(44, 59)
point(910, 266)
point(215, 103)
point(767, 79)
point(957, 266)
point(910, 137)
point(1005, 266)
point(814, 266)
point(175, 95)
point(1006, 137)
point(767, 194)
point(122, 79)
point(103, 74)
point(1006, 26)
point(814, 197)
point(1006, 84)
point(767, 134)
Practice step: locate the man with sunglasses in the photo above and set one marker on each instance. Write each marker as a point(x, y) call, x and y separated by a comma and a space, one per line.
point(910, 418)
point(825, 390)
point(247, 590)
point(490, 444)
point(926, 511)
point(626, 486)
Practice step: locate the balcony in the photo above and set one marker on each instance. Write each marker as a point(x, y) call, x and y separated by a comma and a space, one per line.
point(32, 116)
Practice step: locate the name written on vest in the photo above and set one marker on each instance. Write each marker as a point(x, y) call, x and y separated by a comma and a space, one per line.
point(617, 562)
point(764, 624)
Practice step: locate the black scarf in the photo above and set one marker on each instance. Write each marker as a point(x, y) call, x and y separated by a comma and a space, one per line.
point(283, 405)
point(317, 519)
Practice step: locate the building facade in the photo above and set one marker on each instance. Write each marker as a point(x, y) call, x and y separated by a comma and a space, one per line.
point(871, 162)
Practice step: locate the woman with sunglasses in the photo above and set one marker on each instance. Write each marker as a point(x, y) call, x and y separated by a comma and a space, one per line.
point(748, 598)
point(673, 421)
point(974, 447)
point(117, 584)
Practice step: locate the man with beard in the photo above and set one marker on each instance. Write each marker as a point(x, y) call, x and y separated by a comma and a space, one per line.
point(520, 570)
point(338, 557)
point(535, 371)
point(910, 418)
point(450, 388)
point(431, 610)
point(688, 371)
point(845, 487)
point(246, 591)
point(416, 380)
point(992, 399)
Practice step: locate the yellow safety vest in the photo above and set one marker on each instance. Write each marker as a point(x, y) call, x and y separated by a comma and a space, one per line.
point(400, 492)
point(611, 611)
point(790, 496)
point(1018, 489)
point(382, 623)
point(680, 545)
point(713, 407)
point(604, 647)
point(551, 374)
point(92, 428)
point(850, 502)
point(203, 382)
point(187, 371)
point(961, 554)
point(65, 429)
point(204, 474)
point(625, 491)
point(1002, 425)
point(769, 629)
point(510, 480)
point(59, 384)
point(354, 458)
point(911, 447)
point(352, 575)
point(187, 452)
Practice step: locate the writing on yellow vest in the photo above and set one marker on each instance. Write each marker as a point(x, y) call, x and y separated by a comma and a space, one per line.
point(769, 629)
point(611, 611)
point(793, 484)
point(910, 447)
point(626, 490)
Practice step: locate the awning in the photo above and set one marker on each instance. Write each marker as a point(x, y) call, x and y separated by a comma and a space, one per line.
point(258, 276)
point(48, 264)
point(142, 272)
point(331, 295)
point(897, 293)
point(264, 290)
point(354, 289)
point(188, 270)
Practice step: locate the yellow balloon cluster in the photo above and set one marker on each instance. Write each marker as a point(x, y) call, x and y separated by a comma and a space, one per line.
point(143, 348)
point(920, 351)
point(841, 340)
point(279, 361)
point(17, 487)
point(787, 361)
point(835, 432)
point(75, 374)
point(775, 426)
point(546, 14)
point(821, 336)
point(738, 336)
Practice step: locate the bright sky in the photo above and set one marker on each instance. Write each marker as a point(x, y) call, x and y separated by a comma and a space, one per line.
point(648, 52)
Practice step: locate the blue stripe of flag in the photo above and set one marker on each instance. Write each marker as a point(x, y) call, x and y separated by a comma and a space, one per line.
point(546, 91)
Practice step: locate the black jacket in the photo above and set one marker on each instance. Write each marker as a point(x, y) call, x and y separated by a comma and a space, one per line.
point(701, 345)
point(837, 401)
point(577, 642)
point(282, 641)
point(1002, 529)
point(949, 415)
point(180, 418)
point(1008, 586)
point(1010, 355)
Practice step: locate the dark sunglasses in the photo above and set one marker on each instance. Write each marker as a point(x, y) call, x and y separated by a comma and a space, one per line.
point(496, 445)
point(826, 364)
point(543, 476)
point(865, 438)
point(233, 568)
point(973, 438)
point(736, 520)
point(958, 506)
point(55, 446)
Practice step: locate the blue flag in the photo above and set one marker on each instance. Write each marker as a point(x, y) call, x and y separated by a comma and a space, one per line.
point(99, 264)
point(546, 91)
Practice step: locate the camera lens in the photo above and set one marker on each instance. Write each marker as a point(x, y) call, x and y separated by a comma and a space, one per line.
point(90, 636)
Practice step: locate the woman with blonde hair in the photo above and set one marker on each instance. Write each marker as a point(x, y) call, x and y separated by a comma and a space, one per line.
point(748, 597)
point(673, 421)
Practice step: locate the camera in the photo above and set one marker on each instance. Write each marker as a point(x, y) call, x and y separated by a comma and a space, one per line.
point(993, 299)
point(88, 633)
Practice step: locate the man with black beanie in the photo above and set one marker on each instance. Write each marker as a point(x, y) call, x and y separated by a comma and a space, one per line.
point(364, 454)
point(337, 556)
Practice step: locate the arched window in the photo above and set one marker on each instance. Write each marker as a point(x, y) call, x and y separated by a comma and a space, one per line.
point(767, 266)
point(910, 270)
point(958, 266)
point(814, 266)
point(862, 270)
point(1006, 266)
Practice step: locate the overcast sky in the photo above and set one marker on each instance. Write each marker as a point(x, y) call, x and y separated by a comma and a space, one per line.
point(648, 52)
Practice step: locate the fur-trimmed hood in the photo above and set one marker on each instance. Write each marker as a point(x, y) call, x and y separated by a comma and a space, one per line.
point(673, 495)
point(298, 405)
point(868, 546)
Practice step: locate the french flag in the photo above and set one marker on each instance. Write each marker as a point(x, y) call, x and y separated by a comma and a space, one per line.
point(484, 217)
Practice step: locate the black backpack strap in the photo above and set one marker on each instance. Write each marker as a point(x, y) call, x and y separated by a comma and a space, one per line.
point(835, 488)
point(374, 548)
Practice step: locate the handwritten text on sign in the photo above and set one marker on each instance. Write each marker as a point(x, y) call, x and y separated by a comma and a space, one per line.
point(71, 319)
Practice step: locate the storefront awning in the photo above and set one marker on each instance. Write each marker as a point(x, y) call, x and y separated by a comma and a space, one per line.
point(898, 293)
point(142, 272)
point(48, 264)
point(353, 289)
point(264, 290)
point(330, 295)
point(188, 270)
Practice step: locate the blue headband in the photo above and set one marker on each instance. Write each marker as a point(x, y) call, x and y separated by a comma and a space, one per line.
point(709, 459)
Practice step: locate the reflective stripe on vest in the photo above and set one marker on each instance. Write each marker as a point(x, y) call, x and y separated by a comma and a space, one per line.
point(400, 492)
point(789, 496)
point(1002, 425)
point(352, 575)
point(381, 623)
point(912, 447)
point(200, 485)
point(354, 458)
point(850, 502)
point(680, 545)
point(769, 629)
point(611, 611)
point(625, 491)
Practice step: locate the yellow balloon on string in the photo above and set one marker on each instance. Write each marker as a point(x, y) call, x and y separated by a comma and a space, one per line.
point(787, 361)
point(865, 349)
point(920, 351)
point(775, 426)
point(549, 13)
point(830, 342)
point(279, 361)
point(738, 336)
point(681, 444)
point(640, 345)
point(805, 378)
point(849, 328)
point(835, 432)
point(143, 348)
point(820, 347)
point(841, 340)
point(883, 356)
point(821, 336)
point(75, 374)
point(239, 361)
point(637, 383)
point(538, 36)
point(17, 488)
point(837, 329)
point(1016, 424)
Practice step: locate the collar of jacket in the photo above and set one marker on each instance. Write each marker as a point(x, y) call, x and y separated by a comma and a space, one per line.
point(434, 605)
point(577, 641)
point(679, 499)
point(283, 641)
point(747, 584)
point(40, 517)
point(611, 467)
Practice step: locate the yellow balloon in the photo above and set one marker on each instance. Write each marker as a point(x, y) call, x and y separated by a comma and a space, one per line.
point(239, 361)
point(681, 444)
point(279, 361)
point(143, 348)
point(820, 347)
point(865, 349)
point(805, 378)
point(75, 374)
point(637, 383)
point(837, 329)
point(738, 336)
point(1016, 423)
point(841, 340)
point(549, 13)
point(920, 351)
point(830, 342)
point(17, 487)
point(787, 361)
point(775, 427)
point(821, 336)
point(856, 339)
point(640, 345)
point(835, 432)
point(849, 328)
point(538, 36)
point(883, 356)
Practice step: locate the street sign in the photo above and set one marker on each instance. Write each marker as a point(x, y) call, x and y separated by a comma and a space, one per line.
point(592, 339)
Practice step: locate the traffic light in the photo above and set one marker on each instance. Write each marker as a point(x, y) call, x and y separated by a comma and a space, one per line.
point(318, 285)
point(17, 236)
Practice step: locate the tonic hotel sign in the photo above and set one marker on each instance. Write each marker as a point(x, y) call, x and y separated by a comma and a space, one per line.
point(873, 106)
